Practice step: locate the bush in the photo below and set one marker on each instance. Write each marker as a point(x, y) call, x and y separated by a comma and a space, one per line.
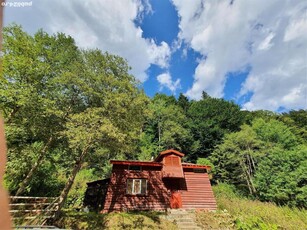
point(253, 214)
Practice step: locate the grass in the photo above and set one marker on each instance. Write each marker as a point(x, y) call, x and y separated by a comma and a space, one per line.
point(237, 212)
point(234, 212)
point(114, 221)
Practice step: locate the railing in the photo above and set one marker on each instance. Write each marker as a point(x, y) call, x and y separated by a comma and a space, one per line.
point(32, 210)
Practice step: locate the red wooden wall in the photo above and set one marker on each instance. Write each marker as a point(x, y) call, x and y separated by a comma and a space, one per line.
point(199, 194)
point(195, 190)
point(157, 197)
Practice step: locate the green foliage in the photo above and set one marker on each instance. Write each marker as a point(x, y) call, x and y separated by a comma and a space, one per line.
point(165, 126)
point(209, 120)
point(236, 158)
point(225, 190)
point(65, 107)
point(31, 97)
point(215, 220)
point(296, 121)
point(205, 161)
point(44, 183)
point(148, 148)
point(61, 97)
point(281, 176)
point(77, 192)
point(253, 214)
point(274, 132)
point(183, 102)
point(123, 220)
point(265, 159)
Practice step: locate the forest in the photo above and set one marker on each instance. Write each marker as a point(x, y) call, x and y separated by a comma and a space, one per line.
point(68, 111)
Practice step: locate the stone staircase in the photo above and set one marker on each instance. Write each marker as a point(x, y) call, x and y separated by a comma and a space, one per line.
point(185, 219)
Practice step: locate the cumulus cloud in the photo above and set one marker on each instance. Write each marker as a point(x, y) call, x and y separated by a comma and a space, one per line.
point(268, 36)
point(104, 24)
point(165, 80)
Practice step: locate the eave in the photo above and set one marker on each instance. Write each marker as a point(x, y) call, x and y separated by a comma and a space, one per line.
point(194, 166)
point(166, 152)
point(140, 163)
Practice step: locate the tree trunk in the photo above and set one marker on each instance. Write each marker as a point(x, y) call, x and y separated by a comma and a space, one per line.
point(69, 183)
point(248, 178)
point(27, 179)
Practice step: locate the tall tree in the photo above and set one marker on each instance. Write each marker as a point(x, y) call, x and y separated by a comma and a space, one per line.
point(31, 96)
point(165, 127)
point(209, 120)
point(113, 117)
point(183, 102)
point(281, 176)
point(297, 121)
point(237, 157)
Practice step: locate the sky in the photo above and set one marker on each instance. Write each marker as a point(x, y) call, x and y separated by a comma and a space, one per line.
point(251, 52)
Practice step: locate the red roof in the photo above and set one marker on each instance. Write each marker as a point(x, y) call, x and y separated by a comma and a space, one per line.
point(166, 152)
point(195, 166)
point(140, 163)
point(157, 163)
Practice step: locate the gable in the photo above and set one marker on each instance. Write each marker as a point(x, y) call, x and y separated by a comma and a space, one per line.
point(172, 167)
point(168, 152)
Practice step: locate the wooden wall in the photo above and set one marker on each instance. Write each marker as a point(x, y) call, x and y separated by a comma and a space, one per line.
point(157, 197)
point(198, 193)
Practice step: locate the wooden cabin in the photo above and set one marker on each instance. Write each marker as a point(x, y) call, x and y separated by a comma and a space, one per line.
point(161, 184)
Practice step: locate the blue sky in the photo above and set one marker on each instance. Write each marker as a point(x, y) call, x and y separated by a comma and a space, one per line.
point(252, 52)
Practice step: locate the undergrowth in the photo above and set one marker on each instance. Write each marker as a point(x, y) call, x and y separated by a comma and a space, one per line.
point(114, 221)
point(237, 212)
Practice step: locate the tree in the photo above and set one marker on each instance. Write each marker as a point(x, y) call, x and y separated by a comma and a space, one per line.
point(183, 102)
point(113, 117)
point(209, 120)
point(31, 98)
point(274, 132)
point(166, 125)
point(281, 176)
point(267, 159)
point(236, 159)
point(297, 121)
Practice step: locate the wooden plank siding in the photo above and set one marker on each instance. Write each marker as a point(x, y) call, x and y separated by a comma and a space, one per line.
point(195, 189)
point(156, 198)
point(167, 178)
point(199, 194)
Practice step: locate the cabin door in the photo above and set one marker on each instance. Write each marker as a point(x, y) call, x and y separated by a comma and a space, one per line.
point(176, 201)
point(174, 187)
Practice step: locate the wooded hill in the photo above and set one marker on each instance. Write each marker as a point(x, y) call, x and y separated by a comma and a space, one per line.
point(68, 111)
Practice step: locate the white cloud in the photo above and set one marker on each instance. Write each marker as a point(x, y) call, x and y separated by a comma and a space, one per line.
point(266, 43)
point(159, 54)
point(268, 36)
point(165, 80)
point(104, 24)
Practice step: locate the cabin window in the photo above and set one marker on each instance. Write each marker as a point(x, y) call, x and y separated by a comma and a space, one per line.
point(136, 186)
point(134, 167)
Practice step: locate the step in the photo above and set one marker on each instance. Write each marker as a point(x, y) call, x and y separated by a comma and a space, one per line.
point(185, 220)
point(189, 227)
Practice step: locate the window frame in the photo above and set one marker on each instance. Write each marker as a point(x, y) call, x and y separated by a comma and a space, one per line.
point(140, 188)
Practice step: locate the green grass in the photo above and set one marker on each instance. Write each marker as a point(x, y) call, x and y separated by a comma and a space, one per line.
point(237, 212)
point(234, 212)
point(114, 221)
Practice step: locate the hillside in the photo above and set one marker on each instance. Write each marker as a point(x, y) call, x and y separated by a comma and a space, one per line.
point(234, 212)
point(237, 212)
